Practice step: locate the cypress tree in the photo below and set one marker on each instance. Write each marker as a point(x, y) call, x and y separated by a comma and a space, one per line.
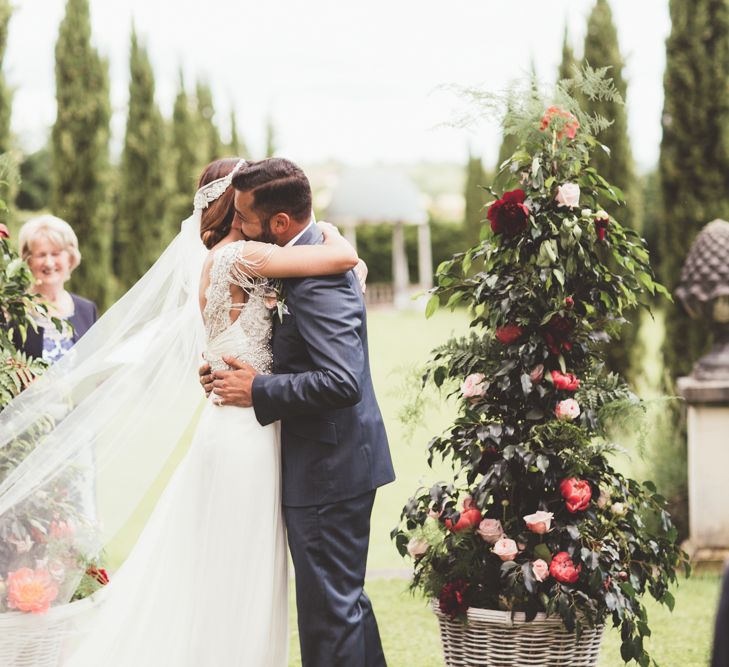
point(185, 157)
point(602, 50)
point(6, 94)
point(139, 231)
point(566, 67)
point(476, 199)
point(80, 143)
point(211, 146)
point(694, 158)
point(237, 146)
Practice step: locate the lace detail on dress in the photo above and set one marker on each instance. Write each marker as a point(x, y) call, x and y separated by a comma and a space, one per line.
point(249, 337)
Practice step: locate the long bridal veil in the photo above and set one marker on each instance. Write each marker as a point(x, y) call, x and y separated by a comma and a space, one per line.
point(84, 445)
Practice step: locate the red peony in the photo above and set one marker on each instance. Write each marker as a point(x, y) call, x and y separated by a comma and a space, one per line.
point(470, 517)
point(569, 122)
point(577, 493)
point(557, 333)
point(452, 598)
point(4, 232)
point(100, 574)
point(509, 215)
point(566, 381)
point(563, 569)
point(509, 333)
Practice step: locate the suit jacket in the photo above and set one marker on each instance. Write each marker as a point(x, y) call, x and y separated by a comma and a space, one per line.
point(333, 440)
point(84, 315)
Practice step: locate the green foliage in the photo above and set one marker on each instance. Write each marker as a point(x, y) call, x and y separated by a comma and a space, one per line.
point(17, 308)
point(80, 141)
point(34, 192)
point(476, 196)
point(139, 232)
point(210, 144)
point(186, 163)
point(550, 293)
point(694, 158)
point(569, 62)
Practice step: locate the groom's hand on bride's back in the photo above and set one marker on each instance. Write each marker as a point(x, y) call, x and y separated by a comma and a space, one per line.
point(234, 387)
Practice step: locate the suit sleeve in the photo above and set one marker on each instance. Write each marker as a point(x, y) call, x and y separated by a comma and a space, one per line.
point(329, 314)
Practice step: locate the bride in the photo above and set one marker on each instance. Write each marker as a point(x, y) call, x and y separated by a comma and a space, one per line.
point(206, 582)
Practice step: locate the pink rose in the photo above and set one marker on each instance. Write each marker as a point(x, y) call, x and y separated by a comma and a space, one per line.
point(568, 195)
point(567, 410)
point(417, 547)
point(474, 386)
point(31, 590)
point(537, 374)
point(4, 232)
point(539, 522)
point(505, 549)
point(490, 530)
point(540, 569)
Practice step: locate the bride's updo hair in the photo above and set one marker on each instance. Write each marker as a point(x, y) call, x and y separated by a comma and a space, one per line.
point(218, 216)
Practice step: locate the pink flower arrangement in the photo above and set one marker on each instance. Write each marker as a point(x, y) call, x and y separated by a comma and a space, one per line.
point(567, 410)
point(565, 381)
point(490, 530)
point(31, 590)
point(506, 549)
point(569, 122)
point(577, 493)
point(474, 386)
point(540, 522)
point(540, 569)
point(563, 569)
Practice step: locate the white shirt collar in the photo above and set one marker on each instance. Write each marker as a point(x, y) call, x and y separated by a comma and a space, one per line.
point(299, 235)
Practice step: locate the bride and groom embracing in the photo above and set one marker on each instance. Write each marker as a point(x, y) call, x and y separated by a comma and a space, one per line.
point(290, 444)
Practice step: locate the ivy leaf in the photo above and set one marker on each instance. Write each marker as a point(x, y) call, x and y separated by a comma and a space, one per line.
point(432, 305)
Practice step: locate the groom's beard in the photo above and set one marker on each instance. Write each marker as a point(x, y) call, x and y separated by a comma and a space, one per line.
point(265, 236)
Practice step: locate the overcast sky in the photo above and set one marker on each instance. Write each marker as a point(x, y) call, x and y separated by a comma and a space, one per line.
point(353, 81)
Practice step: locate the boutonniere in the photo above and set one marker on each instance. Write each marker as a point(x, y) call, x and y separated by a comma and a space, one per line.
point(275, 298)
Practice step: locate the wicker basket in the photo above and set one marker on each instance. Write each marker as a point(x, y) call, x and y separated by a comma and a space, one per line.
point(493, 639)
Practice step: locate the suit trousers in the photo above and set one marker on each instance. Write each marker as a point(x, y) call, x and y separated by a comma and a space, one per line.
point(329, 543)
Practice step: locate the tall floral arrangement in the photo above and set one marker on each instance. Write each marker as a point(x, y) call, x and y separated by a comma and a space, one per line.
point(537, 519)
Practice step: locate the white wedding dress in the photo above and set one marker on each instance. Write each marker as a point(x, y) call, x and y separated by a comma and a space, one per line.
point(206, 584)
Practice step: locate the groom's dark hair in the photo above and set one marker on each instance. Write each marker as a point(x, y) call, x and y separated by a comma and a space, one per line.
point(278, 186)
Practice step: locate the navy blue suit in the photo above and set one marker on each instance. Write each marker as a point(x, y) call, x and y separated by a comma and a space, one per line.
point(334, 455)
point(84, 316)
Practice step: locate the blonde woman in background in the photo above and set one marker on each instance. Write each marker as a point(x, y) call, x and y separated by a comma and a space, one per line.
point(50, 248)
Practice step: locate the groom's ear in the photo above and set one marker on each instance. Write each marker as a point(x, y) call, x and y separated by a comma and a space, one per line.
point(280, 224)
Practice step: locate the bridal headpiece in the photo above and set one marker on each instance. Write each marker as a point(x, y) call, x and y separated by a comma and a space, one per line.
point(211, 191)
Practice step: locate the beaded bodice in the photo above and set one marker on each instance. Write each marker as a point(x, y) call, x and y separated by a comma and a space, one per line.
point(247, 337)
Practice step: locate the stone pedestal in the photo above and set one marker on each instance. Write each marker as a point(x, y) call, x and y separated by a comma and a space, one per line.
point(708, 469)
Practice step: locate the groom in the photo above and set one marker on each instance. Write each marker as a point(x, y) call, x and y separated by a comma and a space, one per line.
point(334, 446)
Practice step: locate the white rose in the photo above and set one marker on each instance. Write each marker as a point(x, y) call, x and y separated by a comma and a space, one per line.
point(417, 547)
point(568, 195)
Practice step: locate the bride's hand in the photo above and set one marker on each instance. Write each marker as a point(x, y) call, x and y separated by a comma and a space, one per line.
point(329, 231)
point(361, 272)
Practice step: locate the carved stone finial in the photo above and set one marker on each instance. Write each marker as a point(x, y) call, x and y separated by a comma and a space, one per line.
point(704, 293)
